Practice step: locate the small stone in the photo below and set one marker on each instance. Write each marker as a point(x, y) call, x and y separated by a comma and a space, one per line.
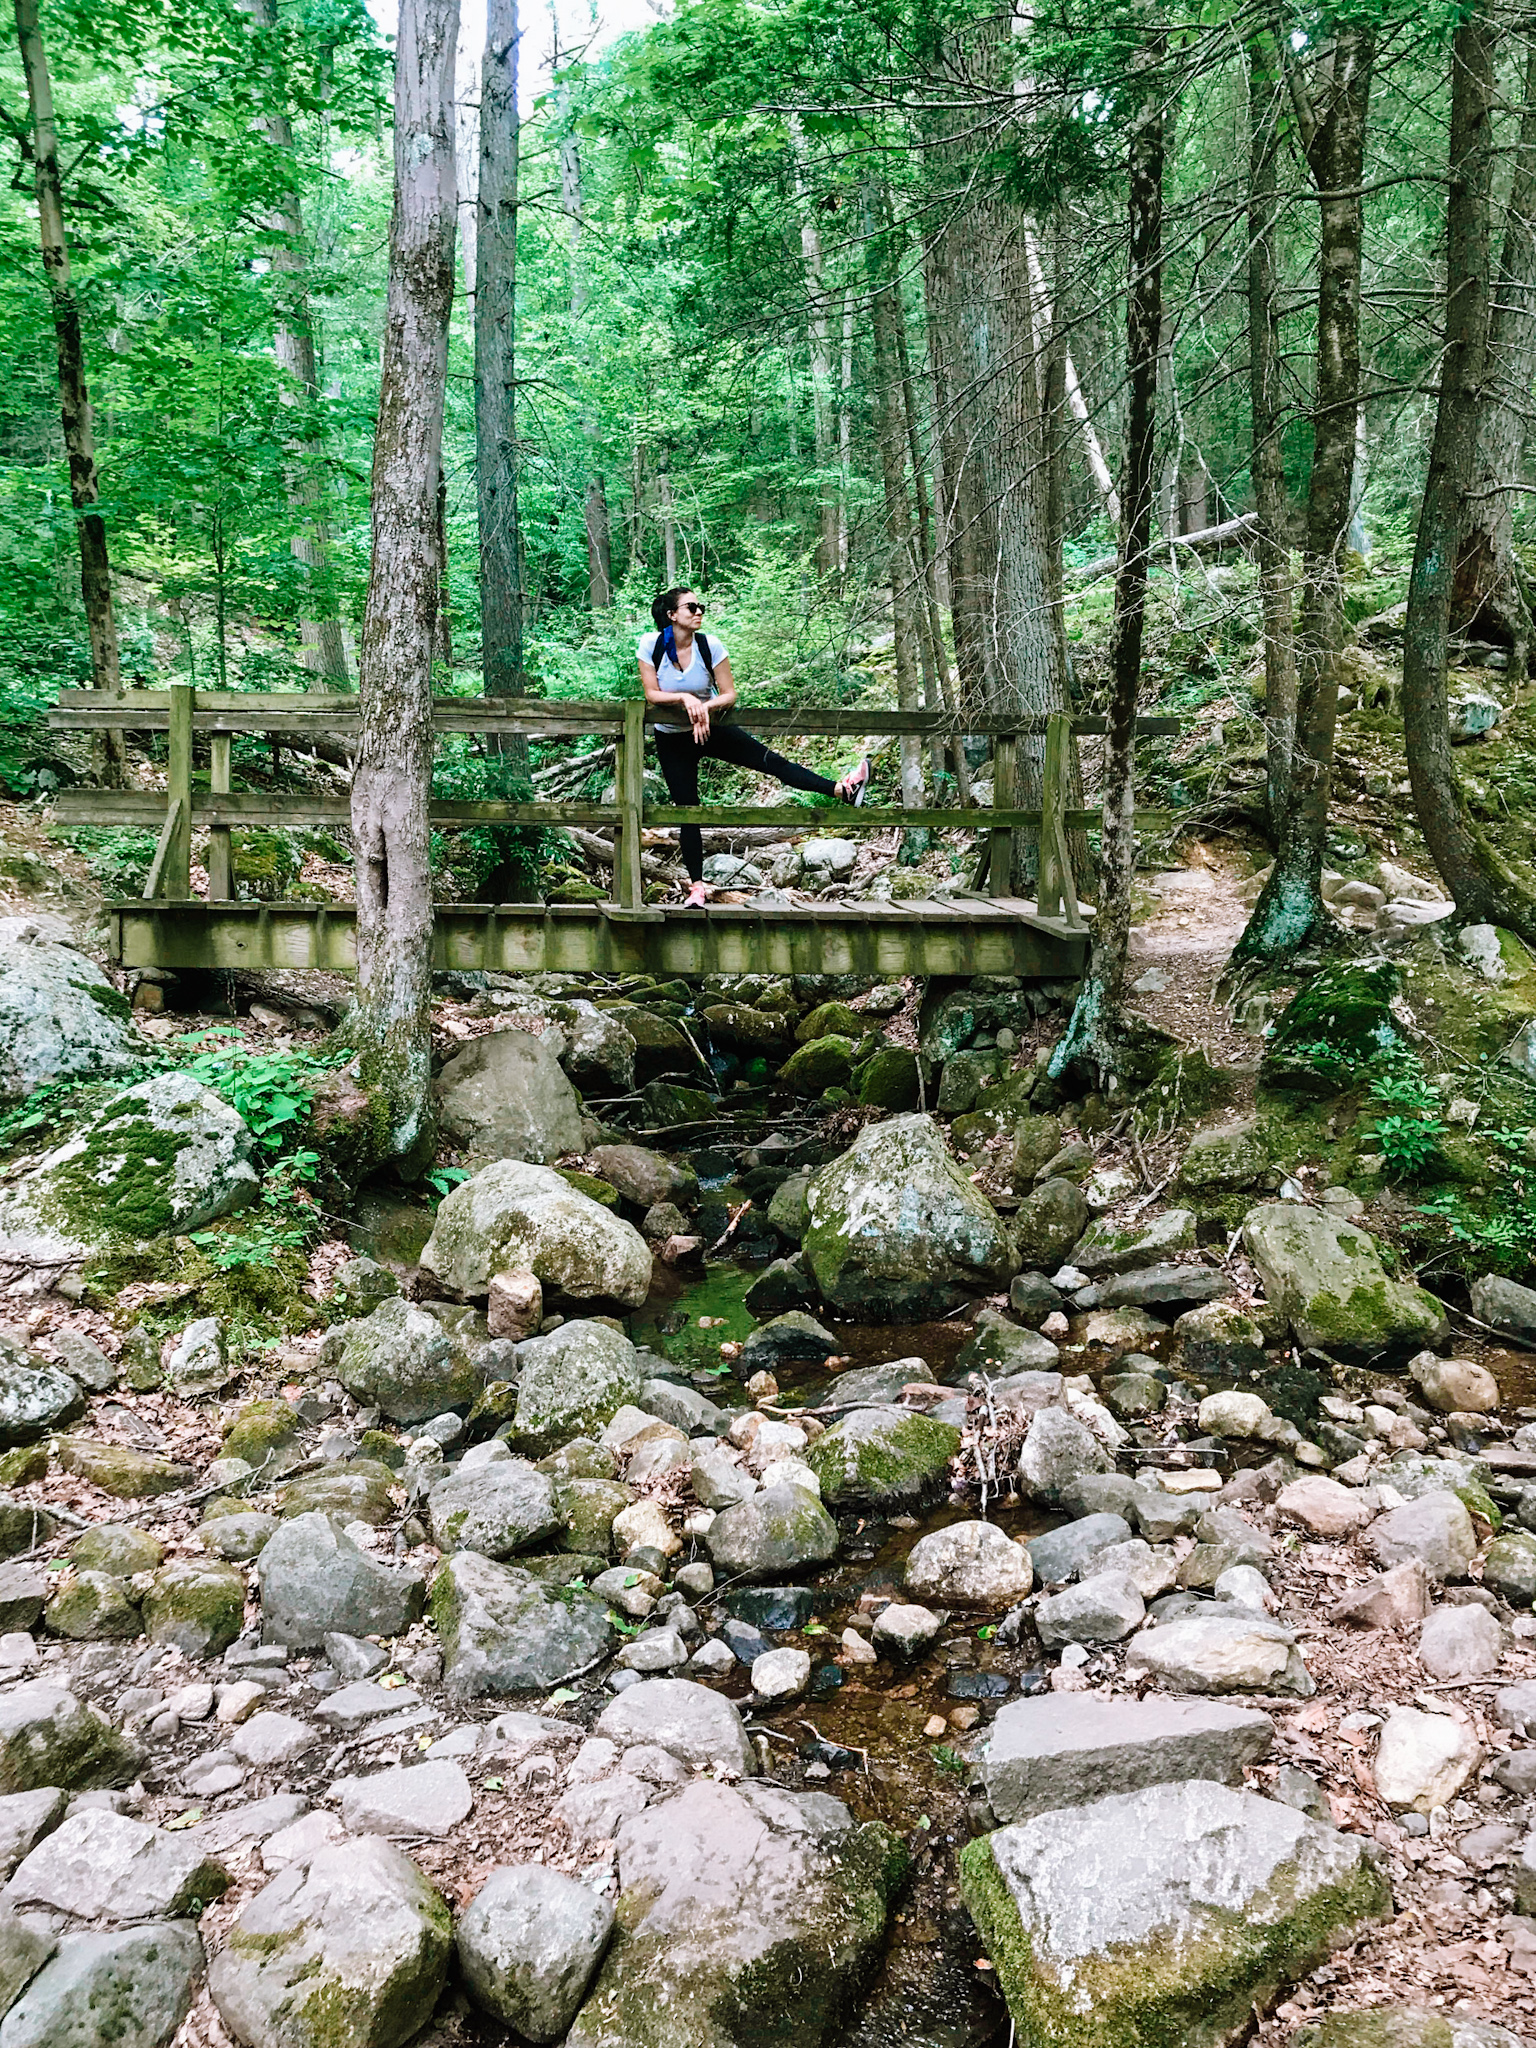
point(1396, 1599)
point(905, 1630)
point(1460, 1643)
point(1101, 1609)
point(239, 1701)
point(1455, 1385)
point(1423, 1760)
point(1234, 1415)
point(269, 1740)
point(514, 1305)
point(781, 1675)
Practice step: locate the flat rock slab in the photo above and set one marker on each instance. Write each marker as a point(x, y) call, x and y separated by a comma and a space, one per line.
point(1219, 1653)
point(1067, 1749)
point(99, 1865)
point(418, 1799)
point(1163, 1915)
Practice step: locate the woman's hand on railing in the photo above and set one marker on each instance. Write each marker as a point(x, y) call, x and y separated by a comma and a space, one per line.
point(698, 719)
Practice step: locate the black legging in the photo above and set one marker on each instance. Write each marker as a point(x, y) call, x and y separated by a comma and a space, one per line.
point(679, 754)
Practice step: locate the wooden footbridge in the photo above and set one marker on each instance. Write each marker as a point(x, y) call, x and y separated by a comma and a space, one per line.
point(961, 931)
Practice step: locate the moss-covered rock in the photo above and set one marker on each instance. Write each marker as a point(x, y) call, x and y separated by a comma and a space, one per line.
point(586, 1508)
point(265, 1434)
point(573, 1382)
point(93, 1607)
point(197, 1606)
point(264, 863)
point(878, 1456)
point(382, 1448)
point(819, 1064)
point(1403, 2026)
point(360, 1492)
point(891, 1079)
point(401, 1360)
point(1048, 1223)
point(600, 1191)
point(829, 1020)
point(1219, 1157)
point(49, 1737)
point(521, 1218)
point(668, 1106)
point(26, 1464)
point(780, 1530)
point(116, 1547)
point(124, 1473)
point(1329, 1032)
point(24, 1525)
point(1000, 1109)
point(503, 1631)
point(1327, 1279)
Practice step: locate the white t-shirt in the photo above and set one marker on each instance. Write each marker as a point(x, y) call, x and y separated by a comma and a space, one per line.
point(692, 681)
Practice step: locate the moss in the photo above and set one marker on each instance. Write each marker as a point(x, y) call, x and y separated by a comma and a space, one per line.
point(889, 1080)
point(1333, 1029)
point(588, 1184)
point(586, 1508)
point(124, 1473)
point(107, 999)
point(821, 1063)
point(260, 1433)
point(116, 1547)
point(120, 1182)
point(382, 1448)
point(200, 1608)
point(22, 1467)
point(878, 1458)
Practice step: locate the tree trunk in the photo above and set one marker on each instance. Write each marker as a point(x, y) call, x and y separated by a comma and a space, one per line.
point(668, 518)
point(1095, 1038)
point(391, 1019)
point(891, 439)
point(1488, 595)
point(74, 395)
point(1290, 911)
point(1267, 461)
point(818, 328)
point(442, 625)
point(321, 647)
point(959, 513)
point(1484, 889)
point(501, 552)
point(599, 553)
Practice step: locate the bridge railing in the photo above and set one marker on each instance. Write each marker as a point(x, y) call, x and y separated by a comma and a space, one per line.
point(297, 718)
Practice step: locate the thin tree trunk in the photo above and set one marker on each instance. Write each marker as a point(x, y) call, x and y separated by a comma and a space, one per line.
point(1290, 911)
point(891, 439)
point(74, 394)
point(1267, 461)
point(442, 625)
point(819, 332)
point(1095, 1038)
point(959, 516)
point(845, 435)
point(668, 519)
point(595, 510)
point(1485, 890)
point(322, 649)
point(391, 1019)
point(1488, 596)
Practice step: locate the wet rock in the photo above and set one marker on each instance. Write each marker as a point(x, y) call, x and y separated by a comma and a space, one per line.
point(504, 1632)
point(1000, 1348)
point(1058, 1450)
point(896, 1231)
point(1509, 1567)
point(1460, 1643)
point(1423, 1760)
point(505, 1096)
point(1101, 1609)
point(1060, 1554)
point(1327, 1279)
point(1161, 1913)
point(498, 1509)
point(314, 1579)
point(778, 1530)
point(1062, 1750)
point(61, 1019)
point(48, 1737)
point(878, 1457)
point(99, 1865)
point(529, 1943)
point(717, 1880)
point(1221, 1653)
point(418, 1799)
point(787, 1339)
point(1219, 1339)
point(132, 1987)
point(969, 1564)
point(572, 1383)
point(904, 1630)
point(528, 1217)
point(350, 1951)
point(1436, 1529)
point(1115, 1248)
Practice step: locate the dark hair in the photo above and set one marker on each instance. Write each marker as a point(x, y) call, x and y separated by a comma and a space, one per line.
point(662, 607)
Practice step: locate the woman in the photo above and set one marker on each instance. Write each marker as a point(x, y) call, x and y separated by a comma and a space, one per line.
point(682, 667)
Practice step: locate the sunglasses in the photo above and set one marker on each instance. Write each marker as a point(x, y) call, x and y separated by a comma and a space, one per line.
point(691, 607)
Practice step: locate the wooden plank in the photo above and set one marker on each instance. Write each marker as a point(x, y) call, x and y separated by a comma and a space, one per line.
point(629, 787)
point(220, 872)
point(154, 881)
point(1005, 759)
point(177, 879)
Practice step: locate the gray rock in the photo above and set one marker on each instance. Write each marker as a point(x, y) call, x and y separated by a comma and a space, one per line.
point(1061, 1554)
point(879, 1384)
point(1049, 1221)
point(497, 1510)
point(1060, 1750)
point(416, 1799)
point(1218, 1338)
point(1515, 1707)
point(905, 1630)
point(1423, 1760)
point(239, 1538)
point(1505, 1305)
point(1509, 1567)
point(1164, 1914)
point(61, 1019)
point(353, 1706)
point(778, 1530)
point(699, 1727)
point(1113, 1248)
point(680, 1406)
point(25, 1817)
point(1221, 1653)
point(572, 1382)
point(348, 1951)
point(1000, 1348)
point(785, 1340)
point(599, 1053)
point(529, 1943)
point(1403, 2026)
point(1460, 1643)
point(270, 1740)
point(714, 1882)
point(505, 1097)
point(315, 1580)
point(1436, 1529)
point(1154, 1286)
point(85, 1362)
point(403, 1361)
point(94, 1607)
point(1101, 1609)
point(350, 1657)
point(883, 1457)
point(50, 1738)
point(1058, 1450)
point(195, 1604)
point(196, 1364)
point(99, 1865)
point(780, 1675)
point(504, 1632)
point(516, 1217)
point(718, 1482)
point(969, 1564)
point(25, 1945)
point(35, 1397)
point(132, 1987)
point(1225, 1156)
point(1326, 1278)
point(657, 1649)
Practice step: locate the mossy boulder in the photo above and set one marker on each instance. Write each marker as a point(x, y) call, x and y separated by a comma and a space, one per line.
point(116, 1547)
point(1049, 1222)
point(661, 1046)
point(893, 1078)
point(402, 1361)
point(877, 1457)
point(503, 1631)
point(1164, 1916)
point(1000, 1109)
point(603, 1192)
point(23, 1525)
point(819, 1064)
point(48, 1737)
point(125, 1473)
point(1326, 1278)
point(1403, 2026)
point(197, 1606)
point(896, 1232)
point(586, 1508)
point(24, 1465)
point(787, 1207)
point(359, 1492)
point(572, 1383)
point(780, 1530)
point(1332, 1030)
point(522, 1218)
point(1219, 1157)
point(668, 1106)
point(93, 1607)
point(264, 863)
point(829, 1020)
point(265, 1434)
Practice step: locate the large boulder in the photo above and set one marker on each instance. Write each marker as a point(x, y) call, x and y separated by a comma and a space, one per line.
point(529, 1942)
point(349, 1950)
point(506, 1096)
point(516, 1217)
point(60, 1017)
point(495, 1509)
point(1341, 1020)
point(166, 1155)
point(1169, 1914)
point(504, 1632)
point(315, 1580)
point(1327, 1279)
point(403, 1361)
point(1066, 1749)
point(131, 1986)
point(747, 1914)
point(599, 1053)
point(969, 1564)
point(48, 1737)
point(572, 1382)
point(877, 1457)
point(1123, 1248)
point(895, 1231)
point(106, 1866)
point(782, 1529)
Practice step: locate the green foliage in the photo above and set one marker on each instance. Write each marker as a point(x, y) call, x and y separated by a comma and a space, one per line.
point(1502, 1232)
point(1408, 1143)
point(271, 1090)
point(118, 856)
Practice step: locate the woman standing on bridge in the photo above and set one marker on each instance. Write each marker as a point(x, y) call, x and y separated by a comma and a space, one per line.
point(683, 666)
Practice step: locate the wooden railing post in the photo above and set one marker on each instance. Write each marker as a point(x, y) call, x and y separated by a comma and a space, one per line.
point(177, 874)
point(1055, 895)
point(1005, 756)
point(629, 793)
point(220, 872)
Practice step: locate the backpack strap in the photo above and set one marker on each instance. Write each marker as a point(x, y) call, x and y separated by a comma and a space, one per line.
point(700, 640)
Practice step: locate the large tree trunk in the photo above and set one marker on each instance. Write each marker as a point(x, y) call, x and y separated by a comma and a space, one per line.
point(889, 409)
point(321, 647)
point(1289, 912)
point(391, 1020)
point(1095, 1038)
point(961, 515)
point(1267, 462)
point(1484, 889)
point(1487, 594)
point(501, 554)
point(74, 395)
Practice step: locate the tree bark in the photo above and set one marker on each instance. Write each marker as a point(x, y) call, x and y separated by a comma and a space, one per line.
point(501, 553)
point(595, 510)
point(889, 408)
point(391, 1019)
point(322, 649)
point(1485, 890)
point(1488, 597)
point(1290, 911)
point(1094, 1040)
point(1267, 462)
point(818, 329)
point(74, 393)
